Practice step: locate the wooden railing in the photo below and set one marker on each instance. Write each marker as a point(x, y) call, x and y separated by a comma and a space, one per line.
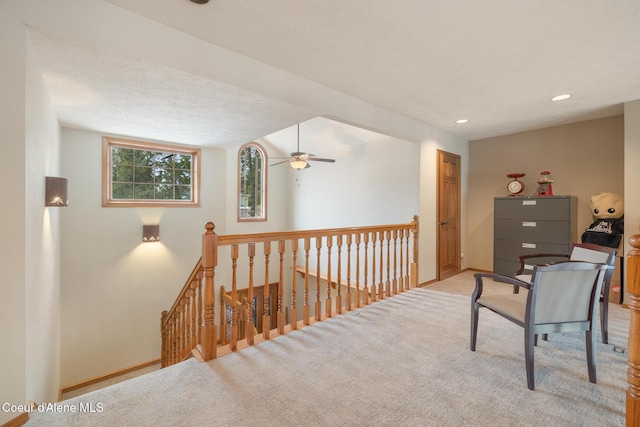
point(633, 373)
point(317, 274)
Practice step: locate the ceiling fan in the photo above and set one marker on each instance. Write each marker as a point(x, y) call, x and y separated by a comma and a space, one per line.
point(300, 160)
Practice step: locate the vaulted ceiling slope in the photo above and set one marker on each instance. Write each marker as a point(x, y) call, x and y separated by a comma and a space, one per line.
point(496, 63)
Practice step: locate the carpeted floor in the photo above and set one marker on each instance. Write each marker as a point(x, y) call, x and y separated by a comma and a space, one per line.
point(404, 361)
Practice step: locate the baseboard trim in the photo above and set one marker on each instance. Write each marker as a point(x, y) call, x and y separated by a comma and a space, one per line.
point(18, 421)
point(108, 376)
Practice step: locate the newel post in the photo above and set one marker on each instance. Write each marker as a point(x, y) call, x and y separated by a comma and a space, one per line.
point(633, 373)
point(209, 337)
point(414, 263)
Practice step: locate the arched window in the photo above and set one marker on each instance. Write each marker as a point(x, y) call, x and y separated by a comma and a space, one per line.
point(252, 183)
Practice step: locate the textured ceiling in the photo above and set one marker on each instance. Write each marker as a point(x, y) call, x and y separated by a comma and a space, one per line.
point(496, 63)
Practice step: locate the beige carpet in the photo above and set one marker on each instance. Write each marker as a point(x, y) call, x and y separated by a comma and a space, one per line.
point(404, 361)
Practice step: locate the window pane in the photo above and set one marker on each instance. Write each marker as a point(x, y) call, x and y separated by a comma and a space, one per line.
point(143, 191)
point(163, 191)
point(122, 173)
point(144, 174)
point(183, 177)
point(182, 161)
point(183, 192)
point(122, 191)
point(121, 156)
point(144, 157)
point(164, 176)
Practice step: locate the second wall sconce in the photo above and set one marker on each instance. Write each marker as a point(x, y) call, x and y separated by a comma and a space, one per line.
point(56, 192)
point(150, 233)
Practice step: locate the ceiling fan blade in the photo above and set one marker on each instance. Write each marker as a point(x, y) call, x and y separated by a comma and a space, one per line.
point(278, 163)
point(319, 159)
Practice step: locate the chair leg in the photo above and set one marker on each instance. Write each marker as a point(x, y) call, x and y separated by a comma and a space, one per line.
point(604, 320)
point(591, 354)
point(529, 341)
point(474, 326)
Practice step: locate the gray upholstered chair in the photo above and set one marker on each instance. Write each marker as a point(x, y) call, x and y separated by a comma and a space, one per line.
point(561, 298)
point(579, 252)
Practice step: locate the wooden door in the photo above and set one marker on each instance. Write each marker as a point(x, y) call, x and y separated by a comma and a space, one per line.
point(448, 217)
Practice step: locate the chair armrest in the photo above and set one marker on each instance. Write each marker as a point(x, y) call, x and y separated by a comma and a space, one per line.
point(497, 278)
point(522, 259)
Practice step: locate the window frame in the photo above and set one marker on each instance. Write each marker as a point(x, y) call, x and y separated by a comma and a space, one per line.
point(107, 199)
point(265, 174)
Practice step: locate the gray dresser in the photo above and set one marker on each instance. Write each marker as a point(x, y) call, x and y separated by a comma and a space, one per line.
point(531, 225)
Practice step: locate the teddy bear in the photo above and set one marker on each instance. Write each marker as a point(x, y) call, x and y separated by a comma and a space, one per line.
point(608, 227)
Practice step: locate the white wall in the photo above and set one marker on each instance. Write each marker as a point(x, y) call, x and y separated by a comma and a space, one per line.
point(114, 287)
point(12, 233)
point(29, 320)
point(42, 241)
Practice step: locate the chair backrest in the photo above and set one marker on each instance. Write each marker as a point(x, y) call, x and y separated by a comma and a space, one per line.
point(566, 292)
point(593, 253)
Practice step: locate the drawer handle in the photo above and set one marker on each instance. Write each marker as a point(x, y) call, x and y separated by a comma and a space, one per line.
point(529, 245)
point(529, 223)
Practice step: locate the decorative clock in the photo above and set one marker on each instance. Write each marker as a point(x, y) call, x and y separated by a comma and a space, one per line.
point(514, 186)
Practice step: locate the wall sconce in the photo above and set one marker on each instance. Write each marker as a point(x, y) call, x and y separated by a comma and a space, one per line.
point(150, 233)
point(56, 192)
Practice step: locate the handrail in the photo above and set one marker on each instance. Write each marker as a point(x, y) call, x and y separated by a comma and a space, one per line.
point(377, 262)
point(633, 372)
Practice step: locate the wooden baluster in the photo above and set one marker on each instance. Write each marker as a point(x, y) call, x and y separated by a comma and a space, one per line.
point(294, 284)
point(187, 329)
point(395, 261)
point(388, 282)
point(328, 302)
point(414, 264)
point(318, 307)
point(250, 326)
point(357, 293)
point(266, 303)
point(242, 318)
point(194, 314)
point(339, 280)
point(234, 298)
point(280, 312)
point(365, 293)
point(224, 339)
point(163, 333)
point(348, 296)
point(200, 277)
point(374, 294)
point(176, 337)
point(380, 283)
point(406, 260)
point(180, 335)
point(305, 307)
point(633, 372)
point(208, 337)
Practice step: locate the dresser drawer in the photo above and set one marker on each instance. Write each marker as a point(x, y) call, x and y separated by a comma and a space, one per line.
point(511, 250)
point(541, 208)
point(558, 232)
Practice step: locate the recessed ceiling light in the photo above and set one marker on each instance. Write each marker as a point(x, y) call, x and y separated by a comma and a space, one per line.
point(560, 97)
point(461, 121)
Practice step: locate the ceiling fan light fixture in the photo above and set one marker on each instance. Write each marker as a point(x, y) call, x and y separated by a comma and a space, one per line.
point(298, 164)
point(561, 97)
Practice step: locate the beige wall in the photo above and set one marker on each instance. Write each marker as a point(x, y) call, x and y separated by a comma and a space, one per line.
point(584, 158)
